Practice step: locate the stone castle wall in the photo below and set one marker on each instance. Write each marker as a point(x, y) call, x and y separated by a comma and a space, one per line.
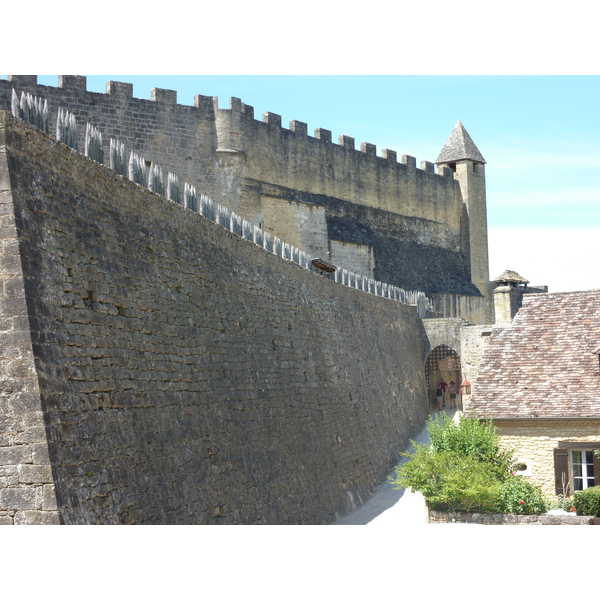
point(169, 371)
point(410, 221)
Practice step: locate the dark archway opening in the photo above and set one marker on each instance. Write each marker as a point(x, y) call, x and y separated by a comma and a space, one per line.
point(442, 363)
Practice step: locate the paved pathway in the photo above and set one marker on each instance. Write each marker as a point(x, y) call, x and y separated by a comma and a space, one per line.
point(390, 507)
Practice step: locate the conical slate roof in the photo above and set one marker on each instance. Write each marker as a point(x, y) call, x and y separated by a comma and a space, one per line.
point(459, 146)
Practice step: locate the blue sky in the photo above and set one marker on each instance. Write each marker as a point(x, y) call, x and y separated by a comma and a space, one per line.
point(540, 136)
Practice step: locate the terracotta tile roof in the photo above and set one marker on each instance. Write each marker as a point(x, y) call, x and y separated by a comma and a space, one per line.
point(543, 365)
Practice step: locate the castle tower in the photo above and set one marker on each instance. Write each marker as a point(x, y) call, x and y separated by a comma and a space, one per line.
point(230, 154)
point(462, 156)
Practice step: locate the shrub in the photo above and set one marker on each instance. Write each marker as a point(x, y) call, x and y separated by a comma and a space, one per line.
point(587, 502)
point(448, 480)
point(518, 496)
point(464, 468)
point(470, 437)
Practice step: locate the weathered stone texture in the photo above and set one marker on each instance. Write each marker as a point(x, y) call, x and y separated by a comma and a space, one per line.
point(187, 375)
point(24, 460)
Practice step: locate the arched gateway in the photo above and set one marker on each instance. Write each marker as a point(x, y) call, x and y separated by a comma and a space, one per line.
point(442, 363)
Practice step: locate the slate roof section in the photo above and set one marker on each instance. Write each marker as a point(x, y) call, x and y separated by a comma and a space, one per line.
point(543, 365)
point(459, 146)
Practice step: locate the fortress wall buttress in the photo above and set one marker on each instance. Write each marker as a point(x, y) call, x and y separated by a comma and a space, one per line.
point(185, 374)
point(27, 492)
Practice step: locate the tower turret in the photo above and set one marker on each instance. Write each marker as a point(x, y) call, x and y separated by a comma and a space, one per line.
point(462, 156)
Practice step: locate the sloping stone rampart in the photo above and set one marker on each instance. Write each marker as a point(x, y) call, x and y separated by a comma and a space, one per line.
point(186, 375)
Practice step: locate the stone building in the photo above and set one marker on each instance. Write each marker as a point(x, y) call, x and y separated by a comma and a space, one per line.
point(539, 381)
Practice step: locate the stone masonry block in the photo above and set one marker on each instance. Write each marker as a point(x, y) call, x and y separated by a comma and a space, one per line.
point(40, 455)
point(5, 193)
point(24, 402)
point(15, 455)
point(37, 517)
point(31, 435)
point(49, 498)
point(35, 474)
point(18, 498)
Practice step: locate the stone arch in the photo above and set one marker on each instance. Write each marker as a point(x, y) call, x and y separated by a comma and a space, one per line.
point(442, 362)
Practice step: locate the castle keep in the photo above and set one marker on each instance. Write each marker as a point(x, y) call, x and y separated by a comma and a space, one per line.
point(173, 355)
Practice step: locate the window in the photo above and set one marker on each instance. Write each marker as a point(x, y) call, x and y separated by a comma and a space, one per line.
point(576, 467)
point(582, 467)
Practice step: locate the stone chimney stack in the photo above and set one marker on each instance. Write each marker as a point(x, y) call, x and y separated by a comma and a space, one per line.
point(508, 295)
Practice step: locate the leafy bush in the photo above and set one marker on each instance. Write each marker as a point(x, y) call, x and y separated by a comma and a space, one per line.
point(518, 496)
point(464, 468)
point(448, 480)
point(587, 502)
point(470, 437)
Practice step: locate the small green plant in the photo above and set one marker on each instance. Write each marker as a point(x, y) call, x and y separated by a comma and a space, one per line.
point(587, 502)
point(563, 503)
point(518, 496)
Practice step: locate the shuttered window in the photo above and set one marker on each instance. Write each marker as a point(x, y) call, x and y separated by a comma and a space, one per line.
point(576, 467)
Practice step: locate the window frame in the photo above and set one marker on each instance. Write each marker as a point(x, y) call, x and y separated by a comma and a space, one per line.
point(563, 467)
point(584, 477)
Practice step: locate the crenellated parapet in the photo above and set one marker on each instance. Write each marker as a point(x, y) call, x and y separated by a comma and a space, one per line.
point(406, 217)
point(151, 176)
point(117, 90)
point(217, 142)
